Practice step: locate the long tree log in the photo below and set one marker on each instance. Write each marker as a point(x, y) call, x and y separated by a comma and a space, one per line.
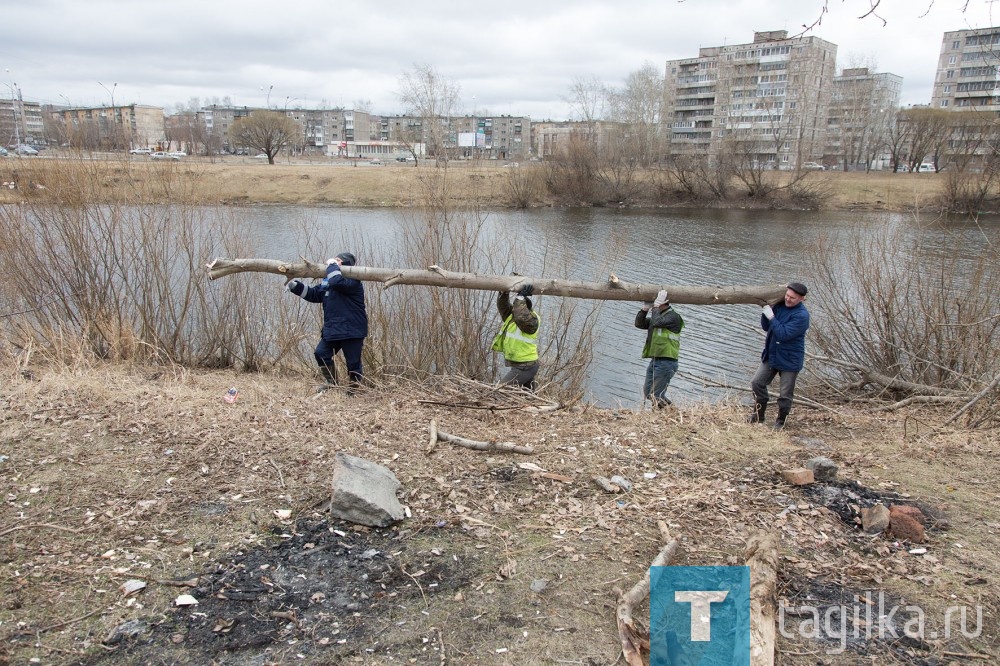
point(633, 640)
point(762, 558)
point(435, 276)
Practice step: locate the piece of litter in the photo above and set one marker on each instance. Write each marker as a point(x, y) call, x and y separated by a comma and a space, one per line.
point(917, 551)
point(185, 600)
point(649, 475)
point(132, 586)
point(282, 514)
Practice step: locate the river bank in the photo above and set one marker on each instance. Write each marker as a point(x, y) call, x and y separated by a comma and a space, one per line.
point(118, 473)
point(243, 180)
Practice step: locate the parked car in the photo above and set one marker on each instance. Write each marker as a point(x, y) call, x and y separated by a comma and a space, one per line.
point(813, 166)
point(902, 168)
point(140, 151)
point(926, 168)
point(375, 162)
point(160, 155)
point(405, 158)
point(261, 156)
point(178, 154)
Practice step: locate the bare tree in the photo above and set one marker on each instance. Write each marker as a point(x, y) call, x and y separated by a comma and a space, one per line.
point(588, 99)
point(432, 99)
point(266, 131)
point(638, 105)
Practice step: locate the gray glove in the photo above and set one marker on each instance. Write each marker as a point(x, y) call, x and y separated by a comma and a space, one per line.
point(296, 287)
point(768, 312)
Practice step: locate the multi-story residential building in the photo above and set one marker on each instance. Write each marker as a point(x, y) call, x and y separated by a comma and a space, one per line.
point(494, 137)
point(20, 121)
point(763, 102)
point(862, 111)
point(552, 139)
point(219, 119)
point(110, 126)
point(967, 72)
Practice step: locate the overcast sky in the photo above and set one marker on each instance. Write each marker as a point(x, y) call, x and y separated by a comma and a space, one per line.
point(507, 58)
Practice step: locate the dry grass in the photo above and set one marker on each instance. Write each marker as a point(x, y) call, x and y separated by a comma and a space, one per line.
point(237, 180)
point(107, 467)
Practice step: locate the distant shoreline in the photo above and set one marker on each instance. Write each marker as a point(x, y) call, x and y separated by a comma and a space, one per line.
point(243, 180)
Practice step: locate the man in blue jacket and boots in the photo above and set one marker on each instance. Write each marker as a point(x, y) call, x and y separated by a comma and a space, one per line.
point(786, 323)
point(345, 322)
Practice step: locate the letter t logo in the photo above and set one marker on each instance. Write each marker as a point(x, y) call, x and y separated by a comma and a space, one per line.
point(701, 610)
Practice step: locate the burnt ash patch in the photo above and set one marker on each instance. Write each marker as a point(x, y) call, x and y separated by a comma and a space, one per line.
point(323, 589)
point(847, 498)
point(871, 624)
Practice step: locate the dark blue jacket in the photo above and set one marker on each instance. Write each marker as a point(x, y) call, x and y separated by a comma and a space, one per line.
point(785, 344)
point(343, 300)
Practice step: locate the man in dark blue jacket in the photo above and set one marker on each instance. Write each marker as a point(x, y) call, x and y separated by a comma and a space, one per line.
point(784, 352)
point(345, 322)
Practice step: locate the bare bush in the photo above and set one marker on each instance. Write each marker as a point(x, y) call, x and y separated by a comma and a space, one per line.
point(923, 316)
point(522, 185)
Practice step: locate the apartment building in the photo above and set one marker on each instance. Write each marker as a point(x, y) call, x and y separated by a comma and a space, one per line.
point(20, 121)
point(862, 111)
point(967, 72)
point(110, 126)
point(763, 101)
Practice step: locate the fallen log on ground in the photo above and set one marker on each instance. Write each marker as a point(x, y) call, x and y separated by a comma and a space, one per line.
point(435, 276)
point(762, 558)
point(632, 639)
point(479, 446)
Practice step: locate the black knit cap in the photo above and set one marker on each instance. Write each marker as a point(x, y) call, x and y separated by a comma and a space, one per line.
point(798, 288)
point(346, 259)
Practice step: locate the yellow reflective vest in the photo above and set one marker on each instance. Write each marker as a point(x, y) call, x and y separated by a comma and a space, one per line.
point(516, 345)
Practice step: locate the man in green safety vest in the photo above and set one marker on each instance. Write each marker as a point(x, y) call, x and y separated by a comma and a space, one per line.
point(663, 344)
point(518, 338)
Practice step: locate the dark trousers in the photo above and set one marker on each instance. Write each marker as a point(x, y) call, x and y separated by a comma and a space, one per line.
point(765, 375)
point(326, 349)
point(522, 374)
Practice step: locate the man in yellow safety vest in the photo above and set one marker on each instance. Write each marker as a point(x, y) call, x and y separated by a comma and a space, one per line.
point(518, 337)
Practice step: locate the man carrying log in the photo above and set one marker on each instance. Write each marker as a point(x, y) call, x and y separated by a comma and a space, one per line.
point(518, 337)
point(663, 343)
point(784, 352)
point(345, 321)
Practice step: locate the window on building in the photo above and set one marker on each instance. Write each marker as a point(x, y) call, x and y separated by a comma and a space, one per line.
point(952, 60)
point(944, 103)
point(955, 44)
point(951, 74)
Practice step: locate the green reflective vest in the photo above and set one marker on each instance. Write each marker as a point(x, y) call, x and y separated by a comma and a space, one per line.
point(661, 343)
point(516, 345)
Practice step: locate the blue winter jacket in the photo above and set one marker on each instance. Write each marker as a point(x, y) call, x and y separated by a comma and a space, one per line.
point(785, 344)
point(343, 300)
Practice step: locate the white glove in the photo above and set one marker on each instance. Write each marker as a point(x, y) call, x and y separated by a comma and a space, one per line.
point(646, 307)
point(661, 298)
point(333, 260)
point(768, 312)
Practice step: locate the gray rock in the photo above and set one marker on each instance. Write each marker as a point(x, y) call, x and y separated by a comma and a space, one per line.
point(875, 520)
point(622, 483)
point(823, 469)
point(364, 492)
point(130, 629)
point(539, 584)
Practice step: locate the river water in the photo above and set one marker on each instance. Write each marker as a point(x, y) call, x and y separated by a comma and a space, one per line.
point(720, 345)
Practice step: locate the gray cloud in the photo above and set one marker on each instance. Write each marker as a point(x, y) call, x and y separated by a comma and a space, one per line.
point(513, 59)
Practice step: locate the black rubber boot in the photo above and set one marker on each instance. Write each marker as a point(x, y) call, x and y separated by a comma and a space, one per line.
point(757, 416)
point(779, 423)
point(353, 383)
point(329, 373)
